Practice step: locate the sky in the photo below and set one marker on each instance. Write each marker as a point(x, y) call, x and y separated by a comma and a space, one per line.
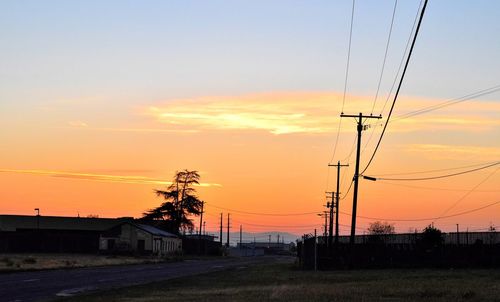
point(101, 102)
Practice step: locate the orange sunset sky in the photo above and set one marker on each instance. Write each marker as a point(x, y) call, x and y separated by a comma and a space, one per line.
point(100, 104)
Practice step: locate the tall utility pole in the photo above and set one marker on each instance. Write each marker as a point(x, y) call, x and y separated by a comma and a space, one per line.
point(324, 214)
point(201, 219)
point(228, 227)
point(220, 230)
point(241, 232)
point(360, 128)
point(204, 228)
point(330, 205)
point(337, 200)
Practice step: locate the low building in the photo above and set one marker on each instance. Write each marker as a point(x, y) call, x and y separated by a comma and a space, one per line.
point(129, 237)
point(53, 234)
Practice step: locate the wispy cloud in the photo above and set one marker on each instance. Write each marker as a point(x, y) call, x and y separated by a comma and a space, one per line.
point(312, 113)
point(276, 113)
point(77, 124)
point(100, 177)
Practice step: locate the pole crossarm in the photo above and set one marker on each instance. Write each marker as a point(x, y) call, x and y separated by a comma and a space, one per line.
point(335, 206)
point(360, 127)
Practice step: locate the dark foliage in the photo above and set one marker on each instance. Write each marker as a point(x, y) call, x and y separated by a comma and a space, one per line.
point(180, 202)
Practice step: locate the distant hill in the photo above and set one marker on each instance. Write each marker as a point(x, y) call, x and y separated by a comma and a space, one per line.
point(234, 237)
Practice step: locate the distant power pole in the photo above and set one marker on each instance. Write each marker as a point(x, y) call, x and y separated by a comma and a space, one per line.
point(315, 251)
point(228, 227)
point(220, 235)
point(360, 128)
point(278, 238)
point(241, 237)
point(204, 228)
point(330, 205)
point(337, 200)
point(201, 219)
point(269, 241)
point(458, 236)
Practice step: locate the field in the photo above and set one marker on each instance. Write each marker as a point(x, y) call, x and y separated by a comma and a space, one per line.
point(23, 262)
point(284, 282)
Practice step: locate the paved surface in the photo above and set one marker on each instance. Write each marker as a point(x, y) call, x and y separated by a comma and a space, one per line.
point(47, 285)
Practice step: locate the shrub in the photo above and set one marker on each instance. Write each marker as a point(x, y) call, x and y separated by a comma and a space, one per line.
point(29, 260)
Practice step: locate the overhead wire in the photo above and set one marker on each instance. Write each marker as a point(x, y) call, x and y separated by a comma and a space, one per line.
point(345, 80)
point(428, 218)
point(447, 103)
point(468, 193)
point(263, 214)
point(375, 126)
point(385, 56)
point(439, 176)
point(434, 170)
point(432, 188)
point(399, 86)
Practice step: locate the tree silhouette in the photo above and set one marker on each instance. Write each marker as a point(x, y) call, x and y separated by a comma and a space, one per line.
point(431, 237)
point(380, 228)
point(180, 202)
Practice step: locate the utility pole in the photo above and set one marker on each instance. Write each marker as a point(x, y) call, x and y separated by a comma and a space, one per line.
point(201, 220)
point(315, 251)
point(220, 235)
point(37, 218)
point(360, 127)
point(337, 200)
point(269, 245)
point(241, 231)
point(204, 228)
point(324, 214)
point(330, 205)
point(241, 236)
point(228, 227)
point(458, 236)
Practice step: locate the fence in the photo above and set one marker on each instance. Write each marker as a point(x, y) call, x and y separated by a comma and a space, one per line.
point(467, 249)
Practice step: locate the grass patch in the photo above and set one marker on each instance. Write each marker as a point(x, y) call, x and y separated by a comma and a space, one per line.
point(283, 282)
point(23, 262)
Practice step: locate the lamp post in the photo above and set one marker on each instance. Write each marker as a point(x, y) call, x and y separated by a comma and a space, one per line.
point(325, 214)
point(37, 218)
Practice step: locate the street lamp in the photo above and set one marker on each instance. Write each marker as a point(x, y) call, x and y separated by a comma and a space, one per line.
point(37, 218)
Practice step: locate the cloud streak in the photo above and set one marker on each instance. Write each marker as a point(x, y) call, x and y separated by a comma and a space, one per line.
point(100, 177)
point(309, 113)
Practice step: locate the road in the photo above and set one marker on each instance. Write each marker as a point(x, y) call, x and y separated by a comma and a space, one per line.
point(47, 285)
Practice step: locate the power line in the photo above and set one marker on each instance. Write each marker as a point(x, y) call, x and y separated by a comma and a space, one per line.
point(468, 193)
point(447, 103)
point(345, 83)
point(432, 188)
point(435, 177)
point(264, 214)
point(348, 55)
point(403, 57)
point(399, 85)
point(435, 170)
point(429, 218)
point(385, 55)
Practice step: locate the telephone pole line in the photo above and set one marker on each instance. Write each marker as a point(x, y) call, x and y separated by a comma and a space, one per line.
point(201, 219)
point(330, 205)
point(220, 230)
point(228, 227)
point(241, 237)
point(360, 127)
point(337, 200)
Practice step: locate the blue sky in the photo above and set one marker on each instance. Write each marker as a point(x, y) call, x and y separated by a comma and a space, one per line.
point(145, 50)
